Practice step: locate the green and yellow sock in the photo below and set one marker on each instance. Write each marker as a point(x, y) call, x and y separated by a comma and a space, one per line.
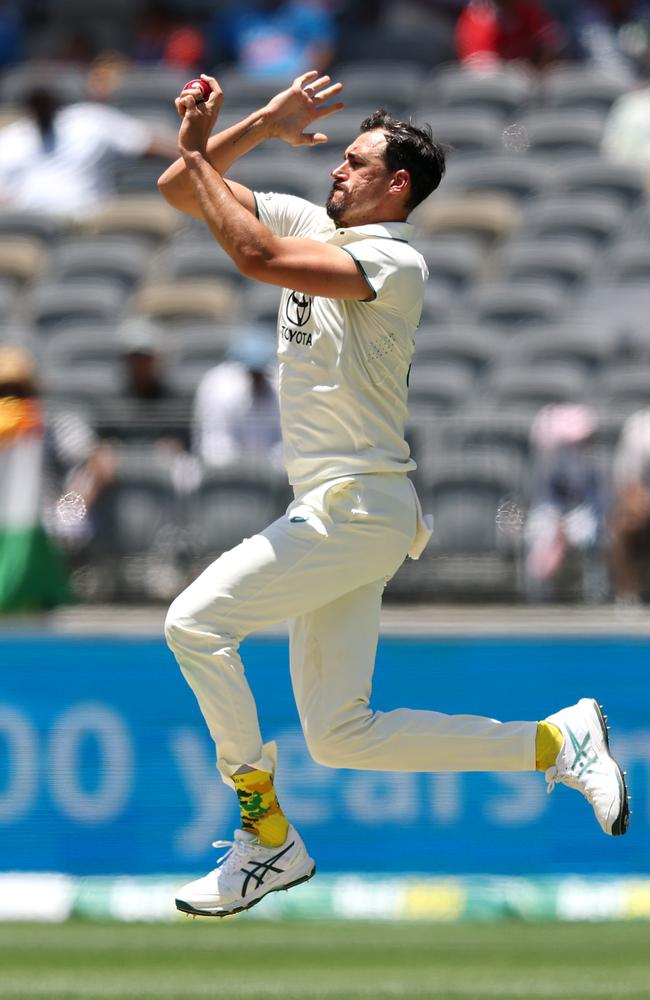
point(548, 744)
point(260, 810)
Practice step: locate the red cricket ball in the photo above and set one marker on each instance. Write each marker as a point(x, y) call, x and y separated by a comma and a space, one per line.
point(202, 85)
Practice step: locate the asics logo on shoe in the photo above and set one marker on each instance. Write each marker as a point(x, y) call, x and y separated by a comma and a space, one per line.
point(585, 755)
point(261, 870)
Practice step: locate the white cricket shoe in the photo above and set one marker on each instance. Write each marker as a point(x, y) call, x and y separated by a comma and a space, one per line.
point(585, 763)
point(245, 874)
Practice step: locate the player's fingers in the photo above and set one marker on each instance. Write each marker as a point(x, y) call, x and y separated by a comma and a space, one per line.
point(213, 84)
point(300, 81)
point(180, 107)
point(320, 82)
point(330, 110)
point(214, 100)
point(325, 95)
point(312, 138)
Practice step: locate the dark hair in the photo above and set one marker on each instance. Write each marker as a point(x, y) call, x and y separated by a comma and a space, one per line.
point(413, 148)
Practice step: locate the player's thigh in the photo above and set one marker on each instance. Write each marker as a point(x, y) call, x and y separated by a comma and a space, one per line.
point(295, 565)
point(332, 654)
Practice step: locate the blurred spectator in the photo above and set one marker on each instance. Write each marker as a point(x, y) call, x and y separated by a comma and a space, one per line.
point(613, 36)
point(236, 415)
point(58, 159)
point(52, 470)
point(489, 32)
point(276, 37)
point(567, 509)
point(630, 546)
point(163, 38)
point(144, 376)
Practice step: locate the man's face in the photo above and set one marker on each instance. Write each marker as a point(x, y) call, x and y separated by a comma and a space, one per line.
point(361, 182)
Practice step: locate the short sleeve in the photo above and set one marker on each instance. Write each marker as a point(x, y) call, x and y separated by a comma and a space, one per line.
point(287, 215)
point(393, 270)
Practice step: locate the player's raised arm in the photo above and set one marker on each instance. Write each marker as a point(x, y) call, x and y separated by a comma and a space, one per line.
point(287, 116)
point(302, 264)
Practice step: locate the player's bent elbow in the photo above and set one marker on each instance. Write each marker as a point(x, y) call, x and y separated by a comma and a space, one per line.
point(252, 264)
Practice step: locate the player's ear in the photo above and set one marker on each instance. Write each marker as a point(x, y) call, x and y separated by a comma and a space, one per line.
point(400, 181)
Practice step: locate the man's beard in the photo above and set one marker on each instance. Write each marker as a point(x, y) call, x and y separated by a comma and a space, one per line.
point(336, 211)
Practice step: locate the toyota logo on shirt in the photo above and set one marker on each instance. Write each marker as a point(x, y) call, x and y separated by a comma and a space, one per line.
point(298, 308)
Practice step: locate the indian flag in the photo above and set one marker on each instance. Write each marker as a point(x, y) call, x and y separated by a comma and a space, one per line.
point(32, 573)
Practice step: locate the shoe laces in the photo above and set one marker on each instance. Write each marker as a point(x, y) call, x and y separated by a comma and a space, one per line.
point(553, 775)
point(236, 852)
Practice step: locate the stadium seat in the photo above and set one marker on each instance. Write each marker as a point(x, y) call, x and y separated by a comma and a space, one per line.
point(76, 303)
point(588, 347)
point(590, 217)
point(234, 502)
point(187, 258)
point(627, 261)
point(21, 259)
point(581, 89)
point(135, 175)
point(466, 346)
point(277, 173)
point(568, 261)
point(469, 552)
point(393, 86)
point(517, 384)
point(146, 215)
point(501, 174)
point(562, 132)
point(144, 90)
point(443, 385)
point(438, 305)
point(121, 259)
point(469, 132)
point(34, 225)
point(506, 305)
point(247, 93)
point(593, 175)
point(606, 302)
point(84, 383)
point(261, 302)
point(454, 260)
point(485, 217)
point(503, 431)
point(175, 301)
point(503, 92)
point(140, 532)
point(68, 349)
point(624, 389)
point(66, 79)
point(8, 302)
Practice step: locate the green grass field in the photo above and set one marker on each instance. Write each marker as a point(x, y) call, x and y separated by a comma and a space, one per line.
point(248, 960)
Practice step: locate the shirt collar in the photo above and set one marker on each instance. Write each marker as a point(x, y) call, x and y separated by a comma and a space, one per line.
point(402, 231)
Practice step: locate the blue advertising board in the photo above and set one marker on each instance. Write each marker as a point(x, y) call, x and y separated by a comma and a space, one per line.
point(106, 766)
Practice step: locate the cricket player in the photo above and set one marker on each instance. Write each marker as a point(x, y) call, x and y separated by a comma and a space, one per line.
point(353, 288)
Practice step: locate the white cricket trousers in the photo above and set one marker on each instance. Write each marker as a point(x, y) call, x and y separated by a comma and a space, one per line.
point(323, 566)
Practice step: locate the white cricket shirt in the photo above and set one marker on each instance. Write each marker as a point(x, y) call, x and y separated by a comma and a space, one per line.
point(343, 364)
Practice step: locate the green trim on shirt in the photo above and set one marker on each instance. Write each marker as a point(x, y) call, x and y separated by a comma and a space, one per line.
point(362, 270)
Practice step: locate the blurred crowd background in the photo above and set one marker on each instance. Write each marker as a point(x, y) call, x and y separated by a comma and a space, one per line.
point(138, 415)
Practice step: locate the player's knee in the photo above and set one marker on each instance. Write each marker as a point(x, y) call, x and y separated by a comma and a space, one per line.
point(336, 747)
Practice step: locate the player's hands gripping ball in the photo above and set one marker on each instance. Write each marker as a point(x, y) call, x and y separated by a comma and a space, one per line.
point(198, 106)
point(200, 89)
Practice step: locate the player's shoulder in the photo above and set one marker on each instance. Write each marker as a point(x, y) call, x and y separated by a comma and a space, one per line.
point(299, 216)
